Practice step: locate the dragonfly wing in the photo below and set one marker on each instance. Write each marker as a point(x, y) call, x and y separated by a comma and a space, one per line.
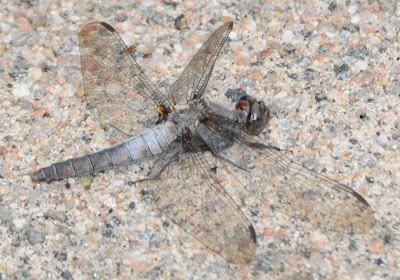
point(200, 205)
point(285, 185)
point(192, 83)
point(117, 91)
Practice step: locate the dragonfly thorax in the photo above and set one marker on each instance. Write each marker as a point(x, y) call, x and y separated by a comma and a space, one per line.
point(187, 115)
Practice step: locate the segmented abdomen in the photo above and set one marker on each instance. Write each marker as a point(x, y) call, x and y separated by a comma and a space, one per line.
point(147, 144)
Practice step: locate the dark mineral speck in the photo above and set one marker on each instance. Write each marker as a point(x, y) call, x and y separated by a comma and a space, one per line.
point(165, 224)
point(18, 74)
point(379, 261)
point(159, 18)
point(170, 3)
point(287, 49)
point(63, 256)
point(147, 55)
point(310, 74)
point(113, 222)
point(66, 274)
point(254, 212)
point(322, 49)
point(332, 6)
point(145, 192)
point(293, 76)
point(132, 205)
point(351, 28)
point(308, 35)
point(320, 96)
point(235, 94)
point(340, 70)
point(388, 238)
point(353, 141)
point(382, 47)
point(246, 81)
point(360, 53)
point(353, 246)
point(33, 236)
point(16, 242)
point(181, 22)
point(107, 233)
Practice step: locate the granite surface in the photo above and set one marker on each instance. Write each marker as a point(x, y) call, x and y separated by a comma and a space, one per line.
point(328, 70)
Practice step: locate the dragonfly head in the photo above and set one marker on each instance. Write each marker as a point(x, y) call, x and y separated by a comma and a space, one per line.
point(257, 113)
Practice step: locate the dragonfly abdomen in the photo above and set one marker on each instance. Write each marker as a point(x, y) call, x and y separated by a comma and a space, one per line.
point(146, 144)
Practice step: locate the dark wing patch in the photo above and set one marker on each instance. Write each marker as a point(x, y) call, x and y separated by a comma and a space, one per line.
point(109, 27)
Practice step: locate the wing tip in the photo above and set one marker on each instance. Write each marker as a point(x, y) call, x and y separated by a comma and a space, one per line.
point(253, 233)
point(107, 26)
point(361, 199)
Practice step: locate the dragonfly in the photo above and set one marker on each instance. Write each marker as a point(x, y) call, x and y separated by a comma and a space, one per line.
point(189, 132)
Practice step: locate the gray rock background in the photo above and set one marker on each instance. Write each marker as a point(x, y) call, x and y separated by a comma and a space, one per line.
point(328, 70)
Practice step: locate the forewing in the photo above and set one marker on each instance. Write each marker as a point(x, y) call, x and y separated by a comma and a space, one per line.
point(116, 89)
point(187, 192)
point(284, 184)
point(192, 83)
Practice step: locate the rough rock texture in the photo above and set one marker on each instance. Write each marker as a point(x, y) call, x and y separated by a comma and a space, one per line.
point(329, 71)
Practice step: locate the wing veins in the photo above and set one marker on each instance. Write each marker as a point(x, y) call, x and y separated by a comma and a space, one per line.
point(202, 81)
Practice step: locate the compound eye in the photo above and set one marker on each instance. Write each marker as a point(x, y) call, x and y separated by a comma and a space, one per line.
point(258, 117)
point(257, 113)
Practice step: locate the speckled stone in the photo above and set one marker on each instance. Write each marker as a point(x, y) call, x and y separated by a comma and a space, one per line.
point(328, 71)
